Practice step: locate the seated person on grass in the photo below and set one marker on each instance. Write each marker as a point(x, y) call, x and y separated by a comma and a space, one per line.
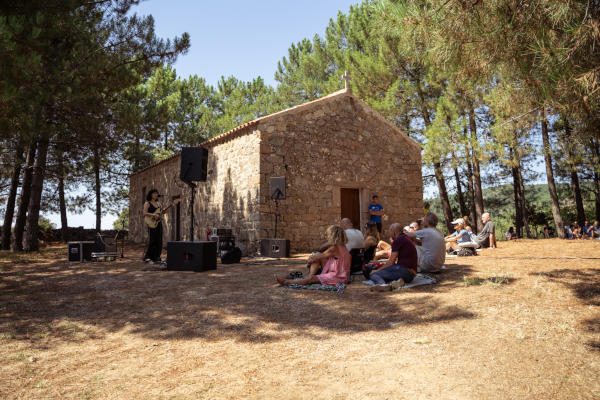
point(586, 230)
point(383, 250)
point(430, 245)
point(576, 230)
point(371, 235)
point(487, 236)
point(401, 267)
point(510, 234)
point(372, 239)
point(596, 230)
point(334, 263)
point(460, 235)
point(355, 237)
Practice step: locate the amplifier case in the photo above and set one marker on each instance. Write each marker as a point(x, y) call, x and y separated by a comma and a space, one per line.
point(275, 248)
point(191, 256)
point(80, 251)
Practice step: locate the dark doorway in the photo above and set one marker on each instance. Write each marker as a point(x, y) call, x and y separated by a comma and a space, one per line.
point(350, 201)
point(176, 220)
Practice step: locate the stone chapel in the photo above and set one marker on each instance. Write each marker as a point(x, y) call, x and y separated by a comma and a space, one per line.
point(334, 152)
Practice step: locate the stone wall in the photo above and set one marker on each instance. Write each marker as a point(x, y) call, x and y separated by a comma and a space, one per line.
point(339, 144)
point(228, 199)
point(320, 147)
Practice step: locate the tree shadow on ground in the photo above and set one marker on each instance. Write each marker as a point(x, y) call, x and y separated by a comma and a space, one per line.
point(585, 285)
point(461, 275)
point(239, 302)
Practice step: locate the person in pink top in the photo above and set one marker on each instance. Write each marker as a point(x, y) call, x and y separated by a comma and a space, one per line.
point(334, 262)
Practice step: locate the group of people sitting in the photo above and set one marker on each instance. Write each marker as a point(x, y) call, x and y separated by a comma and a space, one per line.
point(463, 236)
point(587, 231)
point(417, 248)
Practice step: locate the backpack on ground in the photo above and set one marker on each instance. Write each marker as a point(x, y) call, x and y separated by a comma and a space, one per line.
point(232, 256)
point(466, 252)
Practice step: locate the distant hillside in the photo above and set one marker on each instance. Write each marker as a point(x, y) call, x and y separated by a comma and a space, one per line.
point(499, 202)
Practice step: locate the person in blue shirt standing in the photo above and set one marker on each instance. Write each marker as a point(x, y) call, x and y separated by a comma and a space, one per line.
point(376, 211)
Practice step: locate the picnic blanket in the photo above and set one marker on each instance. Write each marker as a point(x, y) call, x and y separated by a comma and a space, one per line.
point(339, 288)
point(418, 280)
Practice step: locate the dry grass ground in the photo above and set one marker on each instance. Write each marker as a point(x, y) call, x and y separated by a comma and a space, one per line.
point(521, 321)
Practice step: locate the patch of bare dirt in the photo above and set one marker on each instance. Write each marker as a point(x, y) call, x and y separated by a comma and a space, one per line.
point(520, 321)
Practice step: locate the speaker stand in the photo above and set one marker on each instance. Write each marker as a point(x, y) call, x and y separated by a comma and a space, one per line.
point(276, 196)
point(193, 193)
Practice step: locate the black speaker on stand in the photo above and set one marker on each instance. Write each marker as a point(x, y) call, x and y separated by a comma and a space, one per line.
point(191, 255)
point(194, 166)
point(276, 248)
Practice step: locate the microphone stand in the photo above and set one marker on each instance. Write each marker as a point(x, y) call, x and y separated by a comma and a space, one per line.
point(276, 196)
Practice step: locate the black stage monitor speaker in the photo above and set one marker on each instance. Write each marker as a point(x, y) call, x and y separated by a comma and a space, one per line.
point(80, 251)
point(278, 187)
point(275, 248)
point(194, 164)
point(191, 256)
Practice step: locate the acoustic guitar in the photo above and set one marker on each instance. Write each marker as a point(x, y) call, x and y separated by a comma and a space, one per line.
point(153, 222)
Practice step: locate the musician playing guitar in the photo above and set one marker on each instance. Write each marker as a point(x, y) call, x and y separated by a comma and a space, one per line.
point(152, 215)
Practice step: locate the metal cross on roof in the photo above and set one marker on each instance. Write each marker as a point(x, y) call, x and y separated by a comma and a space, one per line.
point(346, 78)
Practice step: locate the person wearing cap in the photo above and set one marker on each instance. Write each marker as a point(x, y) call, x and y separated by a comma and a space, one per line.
point(460, 235)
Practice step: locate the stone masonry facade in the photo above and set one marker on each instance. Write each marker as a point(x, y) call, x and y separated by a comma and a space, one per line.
point(320, 147)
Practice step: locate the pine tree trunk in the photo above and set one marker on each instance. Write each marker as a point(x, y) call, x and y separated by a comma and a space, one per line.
point(558, 221)
point(577, 197)
point(516, 159)
point(574, 177)
point(518, 208)
point(459, 192)
point(597, 194)
point(25, 196)
point(524, 212)
point(517, 195)
point(12, 196)
point(97, 188)
point(595, 148)
point(437, 166)
point(64, 226)
point(31, 242)
point(471, 194)
point(479, 210)
point(439, 176)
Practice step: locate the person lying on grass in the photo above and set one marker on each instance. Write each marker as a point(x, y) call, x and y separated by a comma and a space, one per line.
point(401, 267)
point(334, 263)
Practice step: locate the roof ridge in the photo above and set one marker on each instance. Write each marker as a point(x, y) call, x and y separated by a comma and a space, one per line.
point(239, 128)
point(273, 115)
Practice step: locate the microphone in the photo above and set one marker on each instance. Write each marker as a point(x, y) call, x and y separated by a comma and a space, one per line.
point(161, 195)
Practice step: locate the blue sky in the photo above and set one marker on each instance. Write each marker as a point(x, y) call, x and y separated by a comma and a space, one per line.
point(240, 38)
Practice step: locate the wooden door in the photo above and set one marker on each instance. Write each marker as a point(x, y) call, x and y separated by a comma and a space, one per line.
point(350, 205)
